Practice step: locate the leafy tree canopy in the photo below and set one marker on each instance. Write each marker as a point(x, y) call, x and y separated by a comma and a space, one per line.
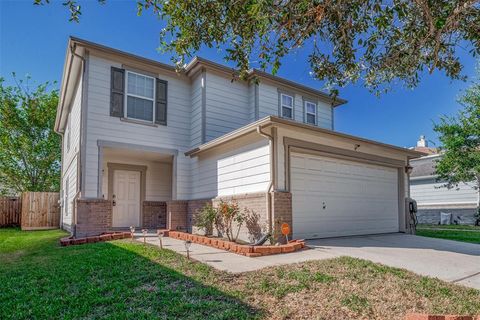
point(460, 138)
point(29, 147)
point(375, 41)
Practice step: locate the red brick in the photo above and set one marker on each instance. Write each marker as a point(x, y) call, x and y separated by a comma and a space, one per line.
point(80, 241)
point(242, 249)
point(93, 239)
point(105, 237)
point(253, 254)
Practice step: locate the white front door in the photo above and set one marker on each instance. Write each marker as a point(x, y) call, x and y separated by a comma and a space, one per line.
point(333, 197)
point(126, 194)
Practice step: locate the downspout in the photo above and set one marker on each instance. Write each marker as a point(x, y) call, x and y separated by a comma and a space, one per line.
point(61, 180)
point(271, 185)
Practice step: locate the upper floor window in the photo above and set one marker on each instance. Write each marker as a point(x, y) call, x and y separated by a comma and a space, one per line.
point(310, 113)
point(137, 96)
point(286, 106)
point(140, 97)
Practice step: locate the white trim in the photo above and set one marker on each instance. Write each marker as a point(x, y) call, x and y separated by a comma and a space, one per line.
point(125, 110)
point(306, 113)
point(286, 106)
point(433, 176)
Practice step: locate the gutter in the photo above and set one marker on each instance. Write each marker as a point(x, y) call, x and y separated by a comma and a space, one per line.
point(271, 185)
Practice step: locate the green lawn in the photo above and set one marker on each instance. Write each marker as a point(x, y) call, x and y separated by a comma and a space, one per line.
point(449, 226)
point(127, 280)
point(453, 234)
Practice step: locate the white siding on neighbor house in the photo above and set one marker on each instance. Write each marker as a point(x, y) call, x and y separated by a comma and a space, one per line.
point(227, 105)
point(158, 177)
point(242, 167)
point(101, 126)
point(70, 155)
point(430, 192)
point(269, 105)
point(196, 117)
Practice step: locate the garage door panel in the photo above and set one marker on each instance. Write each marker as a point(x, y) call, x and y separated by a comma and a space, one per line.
point(333, 197)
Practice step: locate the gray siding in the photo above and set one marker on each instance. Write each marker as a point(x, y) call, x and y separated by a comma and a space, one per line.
point(101, 126)
point(196, 117)
point(269, 105)
point(428, 192)
point(227, 105)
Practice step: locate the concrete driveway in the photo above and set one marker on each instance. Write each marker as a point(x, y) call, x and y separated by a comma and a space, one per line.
point(452, 261)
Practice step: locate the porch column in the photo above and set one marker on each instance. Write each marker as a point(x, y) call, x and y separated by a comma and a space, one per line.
point(177, 215)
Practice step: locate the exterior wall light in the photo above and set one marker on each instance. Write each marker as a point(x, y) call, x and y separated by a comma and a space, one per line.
point(408, 169)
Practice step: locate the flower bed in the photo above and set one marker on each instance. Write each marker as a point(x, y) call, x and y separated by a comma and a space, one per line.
point(68, 241)
point(246, 250)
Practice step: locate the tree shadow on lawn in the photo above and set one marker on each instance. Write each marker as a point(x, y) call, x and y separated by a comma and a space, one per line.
point(114, 280)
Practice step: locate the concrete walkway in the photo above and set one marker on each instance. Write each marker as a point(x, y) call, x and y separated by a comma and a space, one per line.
point(452, 261)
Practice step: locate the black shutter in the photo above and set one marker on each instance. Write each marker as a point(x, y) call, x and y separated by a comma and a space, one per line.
point(161, 102)
point(117, 92)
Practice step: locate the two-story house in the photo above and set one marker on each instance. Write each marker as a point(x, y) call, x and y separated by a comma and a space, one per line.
point(147, 146)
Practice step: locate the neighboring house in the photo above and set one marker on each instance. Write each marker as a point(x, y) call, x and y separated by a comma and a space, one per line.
point(433, 197)
point(147, 146)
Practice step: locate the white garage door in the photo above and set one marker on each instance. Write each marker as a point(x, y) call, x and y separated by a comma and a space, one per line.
point(333, 197)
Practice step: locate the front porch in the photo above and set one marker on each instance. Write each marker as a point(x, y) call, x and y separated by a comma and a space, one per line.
point(134, 189)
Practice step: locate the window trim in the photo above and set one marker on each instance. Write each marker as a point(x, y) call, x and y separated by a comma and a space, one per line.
point(305, 112)
point(125, 110)
point(280, 103)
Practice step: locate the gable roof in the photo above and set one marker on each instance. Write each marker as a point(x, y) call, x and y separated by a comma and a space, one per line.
point(424, 167)
point(74, 43)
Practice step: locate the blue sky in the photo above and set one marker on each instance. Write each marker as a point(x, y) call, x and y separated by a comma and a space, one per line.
point(33, 41)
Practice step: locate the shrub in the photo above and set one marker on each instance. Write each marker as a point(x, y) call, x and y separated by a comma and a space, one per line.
point(205, 219)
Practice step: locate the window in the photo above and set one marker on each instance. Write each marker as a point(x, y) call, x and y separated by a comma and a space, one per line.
point(286, 106)
point(310, 112)
point(140, 97)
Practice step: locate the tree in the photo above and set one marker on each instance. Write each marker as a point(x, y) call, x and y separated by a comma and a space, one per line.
point(379, 42)
point(460, 137)
point(29, 147)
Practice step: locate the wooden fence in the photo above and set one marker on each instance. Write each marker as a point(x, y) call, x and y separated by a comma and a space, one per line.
point(10, 211)
point(40, 210)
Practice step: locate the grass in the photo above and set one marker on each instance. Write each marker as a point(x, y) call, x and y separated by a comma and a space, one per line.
point(449, 226)
point(124, 279)
point(453, 234)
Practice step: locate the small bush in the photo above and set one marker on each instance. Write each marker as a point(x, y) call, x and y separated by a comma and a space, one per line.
point(205, 219)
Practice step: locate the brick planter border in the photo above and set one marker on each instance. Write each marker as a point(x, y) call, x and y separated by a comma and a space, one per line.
point(68, 241)
point(246, 250)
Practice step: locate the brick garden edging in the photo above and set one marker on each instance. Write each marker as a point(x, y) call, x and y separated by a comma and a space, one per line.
point(246, 250)
point(422, 316)
point(92, 239)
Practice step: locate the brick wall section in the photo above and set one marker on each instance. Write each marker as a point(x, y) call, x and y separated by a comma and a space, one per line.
point(432, 216)
point(94, 216)
point(256, 202)
point(177, 215)
point(154, 214)
point(192, 209)
point(282, 213)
